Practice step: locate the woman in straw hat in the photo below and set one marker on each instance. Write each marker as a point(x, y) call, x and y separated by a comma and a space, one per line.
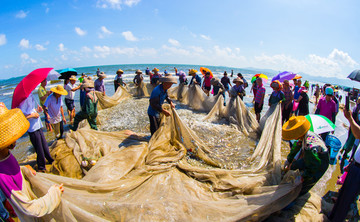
point(35, 132)
point(155, 77)
point(138, 78)
point(99, 83)
point(13, 124)
point(238, 89)
point(309, 154)
point(89, 109)
point(55, 111)
point(196, 79)
point(118, 81)
point(157, 98)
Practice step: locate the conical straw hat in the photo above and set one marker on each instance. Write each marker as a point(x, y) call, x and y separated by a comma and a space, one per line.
point(13, 124)
point(295, 128)
point(59, 89)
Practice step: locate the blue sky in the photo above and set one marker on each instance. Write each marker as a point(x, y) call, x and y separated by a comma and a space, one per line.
point(317, 37)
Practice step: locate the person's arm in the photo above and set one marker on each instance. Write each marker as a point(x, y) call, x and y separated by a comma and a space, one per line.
point(170, 102)
point(299, 99)
point(155, 104)
point(76, 88)
point(62, 114)
point(355, 128)
point(229, 82)
point(46, 95)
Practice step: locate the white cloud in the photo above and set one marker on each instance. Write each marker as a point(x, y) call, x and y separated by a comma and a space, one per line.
point(85, 49)
point(174, 42)
point(175, 51)
point(21, 14)
point(2, 39)
point(63, 57)
point(104, 32)
point(79, 31)
point(26, 58)
point(197, 49)
point(129, 36)
point(342, 57)
point(206, 37)
point(47, 9)
point(116, 4)
point(105, 51)
point(24, 44)
point(39, 47)
point(61, 47)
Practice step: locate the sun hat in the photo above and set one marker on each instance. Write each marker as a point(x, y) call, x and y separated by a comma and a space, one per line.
point(168, 78)
point(102, 75)
point(138, 71)
point(155, 70)
point(276, 84)
point(119, 71)
point(59, 89)
point(192, 71)
point(329, 91)
point(295, 128)
point(238, 79)
point(13, 124)
point(72, 78)
point(88, 84)
point(214, 81)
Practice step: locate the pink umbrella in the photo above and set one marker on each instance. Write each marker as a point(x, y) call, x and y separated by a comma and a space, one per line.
point(28, 84)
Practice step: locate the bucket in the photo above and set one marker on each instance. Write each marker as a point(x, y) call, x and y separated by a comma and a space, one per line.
point(334, 143)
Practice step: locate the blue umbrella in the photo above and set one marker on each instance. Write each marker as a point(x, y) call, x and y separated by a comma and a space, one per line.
point(286, 75)
point(355, 75)
point(66, 73)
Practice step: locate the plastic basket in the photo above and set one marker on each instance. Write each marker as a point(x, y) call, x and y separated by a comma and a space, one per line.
point(334, 143)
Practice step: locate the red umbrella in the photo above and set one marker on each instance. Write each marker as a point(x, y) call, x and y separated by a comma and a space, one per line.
point(28, 84)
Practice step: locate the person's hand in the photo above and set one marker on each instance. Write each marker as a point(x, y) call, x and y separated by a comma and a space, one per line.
point(31, 169)
point(347, 114)
point(166, 113)
point(172, 105)
point(48, 93)
point(259, 105)
point(64, 120)
point(39, 109)
point(35, 115)
point(61, 187)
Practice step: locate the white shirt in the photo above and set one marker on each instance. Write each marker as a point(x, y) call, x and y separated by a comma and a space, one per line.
point(53, 107)
point(68, 88)
point(27, 107)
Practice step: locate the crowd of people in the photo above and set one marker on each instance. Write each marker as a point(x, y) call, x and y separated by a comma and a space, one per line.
point(308, 152)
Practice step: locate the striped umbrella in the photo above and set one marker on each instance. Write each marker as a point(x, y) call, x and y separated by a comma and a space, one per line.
point(320, 124)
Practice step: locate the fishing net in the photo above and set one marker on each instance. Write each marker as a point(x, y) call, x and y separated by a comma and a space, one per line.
point(107, 101)
point(142, 90)
point(172, 177)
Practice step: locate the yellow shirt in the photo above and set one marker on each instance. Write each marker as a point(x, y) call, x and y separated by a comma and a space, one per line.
point(41, 93)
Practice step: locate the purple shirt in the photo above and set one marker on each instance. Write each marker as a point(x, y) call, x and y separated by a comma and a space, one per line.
point(99, 85)
point(327, 108)
point(10, 175)
point(259, 94)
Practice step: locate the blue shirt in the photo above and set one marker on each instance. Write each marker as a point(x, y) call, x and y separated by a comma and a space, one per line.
point(197, 78)
point(296, 92)
point(157, 92)
point(27, 107)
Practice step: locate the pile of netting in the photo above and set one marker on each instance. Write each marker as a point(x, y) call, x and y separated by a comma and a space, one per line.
point(171, 177)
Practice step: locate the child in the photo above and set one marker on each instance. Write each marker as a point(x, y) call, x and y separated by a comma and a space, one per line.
point(13, 124)
point(259, 98)
point(55, 111)
point(207, 83)
point(89, 109)
point(277, 95)
point(69, 98)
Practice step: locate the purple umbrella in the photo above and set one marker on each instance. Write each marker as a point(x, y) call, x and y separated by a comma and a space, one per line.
point(286, 75)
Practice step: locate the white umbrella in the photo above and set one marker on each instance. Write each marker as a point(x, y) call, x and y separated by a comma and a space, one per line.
point(320, 124)
point(53, 75)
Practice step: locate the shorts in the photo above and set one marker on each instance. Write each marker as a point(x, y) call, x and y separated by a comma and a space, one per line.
point(69, 104)
point(207, 88)
point(257, 109)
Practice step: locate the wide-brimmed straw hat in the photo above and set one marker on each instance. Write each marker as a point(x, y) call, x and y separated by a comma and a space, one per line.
point(214, 81)
point(13, 124)
point(102, 75)
point(168, 78)
point(119, 71)
point(138, 71)
point(88, 84)
point(155, 70)
point(59, 89)
point(295, 128)
point(192, 71)
point(238, 79)
point(72, 78)
point(276, 84)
